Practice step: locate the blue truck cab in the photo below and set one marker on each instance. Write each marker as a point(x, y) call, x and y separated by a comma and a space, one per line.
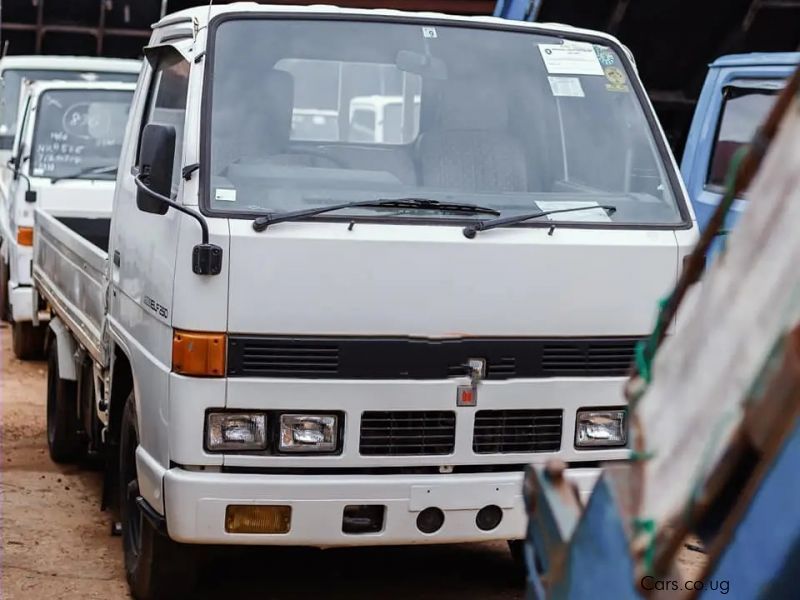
point(737, 95)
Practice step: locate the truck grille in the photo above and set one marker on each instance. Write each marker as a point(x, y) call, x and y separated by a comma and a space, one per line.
point(595, 358)
point(508, 431)
point(423, 358)
point(393, 433)
point(282, 358)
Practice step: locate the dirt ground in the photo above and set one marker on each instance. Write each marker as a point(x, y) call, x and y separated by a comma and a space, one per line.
point(56, 542)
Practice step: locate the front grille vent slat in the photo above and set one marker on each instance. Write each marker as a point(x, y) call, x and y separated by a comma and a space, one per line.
point(393, 433)
point(592, 358)
point(507, 431)
point(276, 358)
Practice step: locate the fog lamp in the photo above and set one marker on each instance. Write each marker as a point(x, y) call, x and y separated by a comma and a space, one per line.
point(251, 518)
point(308, 433)
point(236, 431)
point(601, 428)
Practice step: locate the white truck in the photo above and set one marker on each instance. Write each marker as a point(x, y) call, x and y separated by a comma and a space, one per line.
point(293, 342)
point(64, 161)
point(15, 70)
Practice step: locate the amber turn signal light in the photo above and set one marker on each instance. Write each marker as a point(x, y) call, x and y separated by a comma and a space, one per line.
point(198, 354)
point(25, 236)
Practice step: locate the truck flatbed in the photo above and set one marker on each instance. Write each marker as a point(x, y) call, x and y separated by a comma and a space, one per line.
point(69, 268)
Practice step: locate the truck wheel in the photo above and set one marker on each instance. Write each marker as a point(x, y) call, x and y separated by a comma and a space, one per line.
point(27, 340)
point(156, 567)
point(63, 441)
point(5, 313)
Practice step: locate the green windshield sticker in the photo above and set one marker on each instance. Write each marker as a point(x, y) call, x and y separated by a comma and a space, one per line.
point(605, 56)
point(616, 79)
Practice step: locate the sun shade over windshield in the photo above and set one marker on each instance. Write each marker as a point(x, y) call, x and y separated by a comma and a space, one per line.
point(309, 113)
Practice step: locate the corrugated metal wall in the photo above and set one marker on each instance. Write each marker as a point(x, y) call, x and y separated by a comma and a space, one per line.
point(120, 27)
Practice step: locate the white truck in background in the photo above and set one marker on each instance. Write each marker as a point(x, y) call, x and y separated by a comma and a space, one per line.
point(64, 161)
point(338, 343)
point(15, 70)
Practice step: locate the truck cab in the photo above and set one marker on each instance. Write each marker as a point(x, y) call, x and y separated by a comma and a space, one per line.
point(15, 70)
point(737, 95)
point(64, 161)
point(291, 341)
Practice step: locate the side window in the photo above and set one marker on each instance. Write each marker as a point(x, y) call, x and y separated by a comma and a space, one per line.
point(167, 102)
point(362, 126)
point(743, 110)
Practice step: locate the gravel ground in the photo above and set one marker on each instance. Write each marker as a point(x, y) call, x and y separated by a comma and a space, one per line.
point(56, 541)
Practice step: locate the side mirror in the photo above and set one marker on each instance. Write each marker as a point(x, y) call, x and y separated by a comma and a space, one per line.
point(155, 166)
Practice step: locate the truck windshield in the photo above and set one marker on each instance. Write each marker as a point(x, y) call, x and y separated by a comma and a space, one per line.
point(12, 82)
point(512, 120)
point(746, 106)
point(78, 133)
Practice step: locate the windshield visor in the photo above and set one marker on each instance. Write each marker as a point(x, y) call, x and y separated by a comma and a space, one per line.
point(78, 133)
point(313, 113)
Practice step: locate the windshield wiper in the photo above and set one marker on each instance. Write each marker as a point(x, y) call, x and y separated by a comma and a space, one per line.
point(261, 223)
point(88, 171)
point(471, 230)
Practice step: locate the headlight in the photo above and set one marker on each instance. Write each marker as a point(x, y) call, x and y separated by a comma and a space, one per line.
point(236, 431)
point(308, 433)
point(601, 428)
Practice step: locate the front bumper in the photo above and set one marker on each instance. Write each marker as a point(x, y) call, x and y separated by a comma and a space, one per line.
point(196, 501)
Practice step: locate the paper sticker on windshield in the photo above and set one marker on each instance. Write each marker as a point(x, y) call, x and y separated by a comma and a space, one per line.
point(591, 214)
point(38, 171)
point(617, 81)
point(225, 195)
point(429, 33)
point(570, 58)
point(566, 86)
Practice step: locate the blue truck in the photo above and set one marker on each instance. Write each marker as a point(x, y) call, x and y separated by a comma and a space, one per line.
point(737, 95)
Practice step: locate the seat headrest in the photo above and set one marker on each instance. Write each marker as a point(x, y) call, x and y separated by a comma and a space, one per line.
point(465, 105)
point(276, 93)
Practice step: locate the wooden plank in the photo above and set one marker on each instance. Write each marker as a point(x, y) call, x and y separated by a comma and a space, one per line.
point(705, 374)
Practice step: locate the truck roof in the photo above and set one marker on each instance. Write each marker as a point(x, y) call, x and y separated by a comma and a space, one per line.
point(758, 59)
point(204, 13)
point(37, 87)
point(71, 63)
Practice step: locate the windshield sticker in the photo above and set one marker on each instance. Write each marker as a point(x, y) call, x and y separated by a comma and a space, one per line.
point(594, 216)
point(617, 82)
point(569, 87)
point(429, 33)
point(605, 56)
point(38, 171)
point(570, 58)
point(225, 195)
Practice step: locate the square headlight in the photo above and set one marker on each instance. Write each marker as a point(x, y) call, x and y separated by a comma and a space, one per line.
point(308, 433)
point(236, 431)
point(601, 428)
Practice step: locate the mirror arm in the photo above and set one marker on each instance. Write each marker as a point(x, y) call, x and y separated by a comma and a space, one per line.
point(206, 258)
point(179, 207)
point(17, 173)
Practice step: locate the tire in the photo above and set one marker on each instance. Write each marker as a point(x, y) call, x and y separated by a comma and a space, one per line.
point(156, 567)
point(5, 306)
point(63, 440)
point(28, 340)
